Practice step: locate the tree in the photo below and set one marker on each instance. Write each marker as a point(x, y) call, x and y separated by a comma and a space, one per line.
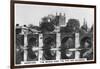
point(73, 25)
point(46, 26)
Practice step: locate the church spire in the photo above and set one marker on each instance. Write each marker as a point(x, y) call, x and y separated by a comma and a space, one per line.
point(85, 27)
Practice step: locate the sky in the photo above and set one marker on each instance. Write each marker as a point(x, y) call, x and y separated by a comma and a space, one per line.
point(32, 14)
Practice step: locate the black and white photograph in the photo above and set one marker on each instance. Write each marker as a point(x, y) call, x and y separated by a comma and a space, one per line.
point(53, 34)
